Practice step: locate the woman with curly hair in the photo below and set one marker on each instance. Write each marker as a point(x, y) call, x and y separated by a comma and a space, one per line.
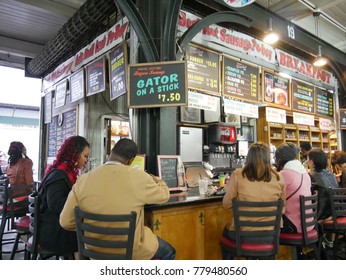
point(19, 169)
point(59, 178)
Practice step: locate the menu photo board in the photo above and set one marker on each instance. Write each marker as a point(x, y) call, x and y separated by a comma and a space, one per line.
point(275, 90)
point(303, 97)
point(324, 102)
point(96, 76)
point(342, 119)
point(77, 86)
point(157, 84)
point(240, 79)
point(203, 69)
point(60, 94)
point(117, 71)
point(48, 107)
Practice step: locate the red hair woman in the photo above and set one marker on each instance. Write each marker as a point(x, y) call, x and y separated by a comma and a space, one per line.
point(60, 176)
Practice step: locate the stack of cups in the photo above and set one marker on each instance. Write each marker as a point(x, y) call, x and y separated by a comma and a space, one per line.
point(203, 185)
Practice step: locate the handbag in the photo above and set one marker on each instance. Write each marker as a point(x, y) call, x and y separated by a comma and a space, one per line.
point(301, 181)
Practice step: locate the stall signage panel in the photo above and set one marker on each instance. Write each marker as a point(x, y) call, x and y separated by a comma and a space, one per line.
point(240, 108)
point(303, 97)
point(240, 80)
point(168, 170)
point(117, 71)
point(305, 119)
point(342, 119)
point(95, 72)
point(203, 101)
point(203, 69)
point(324, 102)
point(60, 94)
point(275, 90)
point(48, 107)
point(157, 84)
point(275, 115)
point(326, 124)
point(60, 128)
point(77, 85)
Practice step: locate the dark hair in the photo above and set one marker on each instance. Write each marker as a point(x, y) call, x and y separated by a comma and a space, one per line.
point(15, 152)
point(125, 148)
point(69, 153)
point(339, 157)
point(284, 153)
point(257, 166)
point(306, 146)
point(319, 158)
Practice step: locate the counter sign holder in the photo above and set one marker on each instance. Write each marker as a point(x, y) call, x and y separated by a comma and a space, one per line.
point(159, 84)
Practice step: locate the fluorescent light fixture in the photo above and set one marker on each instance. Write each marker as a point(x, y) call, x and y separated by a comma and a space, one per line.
point(320, 60)
point(285, 75)
point(271, 37)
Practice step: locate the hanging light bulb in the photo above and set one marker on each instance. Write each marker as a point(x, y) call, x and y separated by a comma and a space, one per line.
point(271, 37)
point(320, 60)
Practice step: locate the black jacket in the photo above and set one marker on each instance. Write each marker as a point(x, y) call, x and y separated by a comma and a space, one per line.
point(54, 190)
point(322, 181)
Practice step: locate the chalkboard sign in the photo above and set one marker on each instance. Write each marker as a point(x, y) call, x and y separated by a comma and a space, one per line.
point(77, 86)
point(303, 97)
point(168, 167)
point(240, 80)
point(48, 107)
point(324, 102)
point(96, 76)
point(61, 128)
point(118, 62)
point(275, 90)
point(203, 69)
point(342, 119)
point(157, 84)
point(60, 94)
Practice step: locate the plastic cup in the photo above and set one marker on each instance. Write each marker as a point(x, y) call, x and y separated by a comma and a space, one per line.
point(222, 180)
point(202, 185)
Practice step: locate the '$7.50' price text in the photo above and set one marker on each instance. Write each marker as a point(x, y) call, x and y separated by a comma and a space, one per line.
point(169, 97)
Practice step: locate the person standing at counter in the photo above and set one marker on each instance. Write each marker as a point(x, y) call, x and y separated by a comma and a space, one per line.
point(19, 170)
point(117, 188)
point(297, 181)
point(257, 181)
point(60, 176)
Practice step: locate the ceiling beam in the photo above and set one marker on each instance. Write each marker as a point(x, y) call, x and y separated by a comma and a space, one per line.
point(18, 47)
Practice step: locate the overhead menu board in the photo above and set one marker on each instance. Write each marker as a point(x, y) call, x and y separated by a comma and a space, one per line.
point(118, 62)
point(240, 79)
point(60, 94)
point(77, 85)
point(203, 69)
point(60, 128)
point(324, 102)
point(275, 90)
point(342, 119)
point(95, 76)
point(157, 84)
point(303, 97)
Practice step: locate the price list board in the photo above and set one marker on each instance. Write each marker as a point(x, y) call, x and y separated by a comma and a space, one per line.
point(118, 63)
point(303, 97)
point(240, 80)
point(77, 85)
point(342, 119)
point(61, 128)
point(157, 84)
point(203, 69)
point(324, 102)
point(96, 77)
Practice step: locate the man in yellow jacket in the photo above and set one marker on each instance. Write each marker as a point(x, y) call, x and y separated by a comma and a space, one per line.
point(117, 188)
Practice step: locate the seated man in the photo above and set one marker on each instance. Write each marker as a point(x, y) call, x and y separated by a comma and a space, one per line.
point(116, 188)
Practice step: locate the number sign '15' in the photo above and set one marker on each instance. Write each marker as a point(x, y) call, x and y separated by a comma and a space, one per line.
point(157, 84)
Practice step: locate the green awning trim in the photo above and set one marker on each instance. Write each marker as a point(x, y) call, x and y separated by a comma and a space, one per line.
point(19, 121)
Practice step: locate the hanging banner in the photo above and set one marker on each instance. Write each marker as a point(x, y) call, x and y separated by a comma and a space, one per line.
point(203, 101)
point(326, 124)
point(275, 115)
point(240, 108)
point(238, 3)
point(299, 118)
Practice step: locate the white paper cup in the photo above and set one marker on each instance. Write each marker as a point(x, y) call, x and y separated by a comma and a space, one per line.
point(202, 185)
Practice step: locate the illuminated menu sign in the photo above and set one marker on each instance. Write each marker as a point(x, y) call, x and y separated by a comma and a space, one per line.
point(342, 119)
point(240, 80)
point(203, 69)
point(324, 102)
point(157, 84)
point(303, 97)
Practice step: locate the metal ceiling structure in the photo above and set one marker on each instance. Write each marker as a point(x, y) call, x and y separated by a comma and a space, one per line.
point(31, 28)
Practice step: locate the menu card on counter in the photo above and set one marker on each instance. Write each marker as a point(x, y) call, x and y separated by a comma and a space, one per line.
point(48, 107)
point(203, 69)
point(303, 97)
point(275, 90)
point(240, 79)
point(324, 102)
point(157, 84)
point(61, 128)
point(96, 78)
point(60, 94)
point(77, 85)
point(118, 63)
point(342, 119)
